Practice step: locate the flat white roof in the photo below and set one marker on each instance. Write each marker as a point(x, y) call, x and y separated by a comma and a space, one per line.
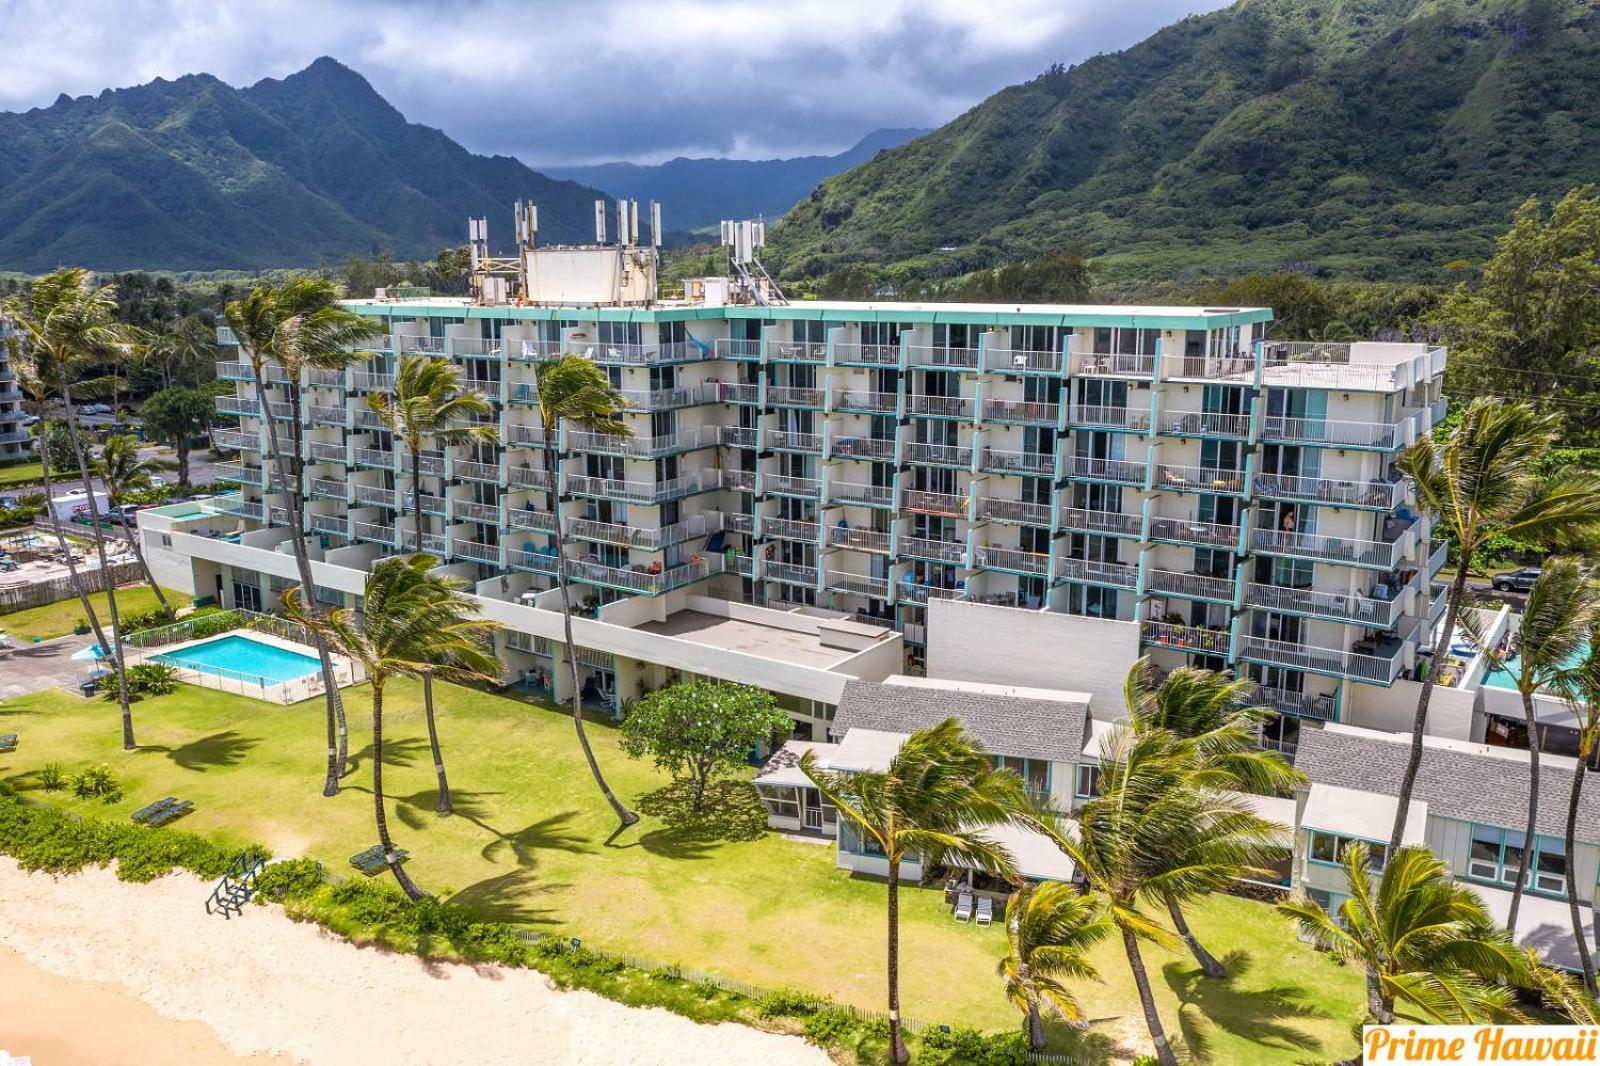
point(1036, 855)
point(1365, 815)
point(752, 638)
point(867, 749)
point(892, 306)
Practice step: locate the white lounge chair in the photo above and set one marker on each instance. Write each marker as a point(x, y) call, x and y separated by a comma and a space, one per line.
point(985, 910)
point(963, 906)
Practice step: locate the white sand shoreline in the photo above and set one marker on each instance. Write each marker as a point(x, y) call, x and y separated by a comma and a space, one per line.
point(266, 985)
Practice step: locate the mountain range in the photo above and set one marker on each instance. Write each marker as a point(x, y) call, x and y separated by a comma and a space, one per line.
point(696, 194)
point(197, 174)
point(1358, 138)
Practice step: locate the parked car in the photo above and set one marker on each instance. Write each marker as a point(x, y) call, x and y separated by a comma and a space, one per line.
point(95, 409)
point(1516, 581)
point(126, 515)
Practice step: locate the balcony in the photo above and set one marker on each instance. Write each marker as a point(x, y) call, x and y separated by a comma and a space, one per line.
point(791, 574)
point(472, 511)
point(374, 496)
point(805, 488)
point(532, 561)
point(848, 492)
point(944, 504)
point(1381, 436)
point(670, 399)
point(1011, 560)
point(956, 455)
point(323, 452)
point(1218, 366)
point(849, 353)
point(927, 357)
point(743, 350)
point(373, 531)
point(866, 540)
point(1025, 511)
point(1200, 479)
point(792, 396)
point(739, 480)
point(639, 354)
point(1104, 523)
point(1192, 531)
point(325, 379)
point(526, 477)
point(1117, 365)
point(1378, 669)
point(639, 447)
point(1003, 462)
point(878, 403)
point(873, 588)
point(430, 464)
point(529, 517)
point(1371, 612)
point(238, 405)
point(476, 551)
point(328, 489)
point(327, 414)
point(366, 380)
point(1437, 558)
point(329, 523)
point(1321, 708)
point(233, 370)
point(911, 592)
point(420, 345)
point(1188, 585)
point(789, 441)
point(375, 457)
point(235, 440)
point(1021, 412)
point(432, 543)
point(477, 347)
point(1093, 416)
point(735, 393)
point(790, 529)
point(1205, 424)
point(1378, 495)
point(931, 550)
point(522, 392)
point(468, 470)
point(643, 491)
point(939, 406)
point(735, 436)
point(525, 435)
point(1196, 639)
point(535, 351)
point(1117, 471)
point(432, 505)
point(644, 539)
point(1021, 361)
point(363, 418)
point(1378, 555)
point(1095, 572)
point(861, 448)
point(237, 506)
point(239, 473)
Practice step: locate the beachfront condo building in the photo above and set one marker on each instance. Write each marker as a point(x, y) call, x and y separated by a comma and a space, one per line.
point(816, 491)
point(15, 440)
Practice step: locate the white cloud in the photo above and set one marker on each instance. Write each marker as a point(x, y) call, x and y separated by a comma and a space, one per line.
point(572, 81)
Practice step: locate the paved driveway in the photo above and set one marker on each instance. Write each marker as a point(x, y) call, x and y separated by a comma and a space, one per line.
point(36, 667)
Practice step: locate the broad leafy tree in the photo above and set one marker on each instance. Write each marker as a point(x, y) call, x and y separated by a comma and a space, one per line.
point(931, 805)
point(178, 416)
point(429, 405)
point(415, 623)
point(1482, 483)
point(573, 391)
point(698, 728)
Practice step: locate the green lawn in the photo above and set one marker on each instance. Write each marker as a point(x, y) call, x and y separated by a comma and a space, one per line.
point(528, 844)
point(24, 474)
point(58, 619)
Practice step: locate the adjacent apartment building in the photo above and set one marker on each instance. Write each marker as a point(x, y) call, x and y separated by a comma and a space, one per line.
point(15, 440)
point(819, 491)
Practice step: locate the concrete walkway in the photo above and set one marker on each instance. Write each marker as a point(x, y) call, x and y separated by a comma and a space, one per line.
point(36, 667)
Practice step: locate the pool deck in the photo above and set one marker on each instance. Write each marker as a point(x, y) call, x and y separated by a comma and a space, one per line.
point(277, 692)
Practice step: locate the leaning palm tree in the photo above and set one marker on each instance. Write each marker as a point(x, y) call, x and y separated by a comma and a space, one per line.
point(1561, 611)
point(1560, 992)
point(70, 329)
point(429, 404)
point(932, 804)
point(121, 471)
point(414, 623)
point(180, 347)
point(1221, 716)
point(573, 390)
point(1580, 688)
point(1482, 483)
point(1421, 938)
point(298, 326)
point(1049, 929)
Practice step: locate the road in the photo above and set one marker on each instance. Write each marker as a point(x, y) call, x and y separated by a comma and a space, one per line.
point(202, 471)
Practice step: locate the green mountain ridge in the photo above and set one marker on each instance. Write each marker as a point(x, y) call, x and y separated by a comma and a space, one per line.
point(195, 174)
point(1358, 138)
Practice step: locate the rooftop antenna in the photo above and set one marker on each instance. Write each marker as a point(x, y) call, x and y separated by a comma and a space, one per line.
point(622, 222)
point(655, 223)
point(633, 222)
point(478, 240)
point(743, 238)
point(599, 222)
point(527, 225)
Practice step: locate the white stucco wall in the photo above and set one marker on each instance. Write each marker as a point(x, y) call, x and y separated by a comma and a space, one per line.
point(1394, 709)
point(1039, 649)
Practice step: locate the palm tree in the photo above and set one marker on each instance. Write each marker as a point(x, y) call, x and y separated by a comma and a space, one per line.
point(70, 328)
point(1560, 614)
point(180, 347)
point(298, 326)
point(1421, 938)
point(429, 404)
point(121, 471)
point(1559, 992)
point(941, 789)
point(1580, 687)
point(1049, 928)
point(414, 623)
point(574, 390)
point(1220, 715)
point(1483, 483)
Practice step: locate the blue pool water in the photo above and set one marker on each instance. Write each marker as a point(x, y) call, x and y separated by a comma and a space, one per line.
point(1507, 677)
point(240, 657)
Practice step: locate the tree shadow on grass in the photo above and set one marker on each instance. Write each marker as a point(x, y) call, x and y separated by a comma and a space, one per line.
point(730, 810)
point(401, 751)
point(1090, 1047)
point(508, 898)
point(548, 834)
point(219, 750)
point(1258, 1015)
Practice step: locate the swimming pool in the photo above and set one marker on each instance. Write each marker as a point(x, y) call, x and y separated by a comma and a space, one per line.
point(241, 658)
point(1506, 677)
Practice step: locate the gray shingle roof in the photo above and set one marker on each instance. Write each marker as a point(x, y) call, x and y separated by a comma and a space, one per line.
point(1469, 786)
point(1005, 725)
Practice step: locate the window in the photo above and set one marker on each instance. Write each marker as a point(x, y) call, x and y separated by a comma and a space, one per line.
point(1329, 848)
point(1035, 773)
point(1088, 782)
point(1321, 897)
point(1496, 855)
point(782, 801)
point(1550, 867)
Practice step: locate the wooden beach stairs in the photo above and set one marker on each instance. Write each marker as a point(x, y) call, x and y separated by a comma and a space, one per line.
point(237, 885)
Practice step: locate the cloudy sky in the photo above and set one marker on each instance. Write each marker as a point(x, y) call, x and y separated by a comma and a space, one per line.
point(572, 81)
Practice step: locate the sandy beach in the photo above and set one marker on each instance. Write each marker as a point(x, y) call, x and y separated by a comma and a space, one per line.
point(98, 971)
